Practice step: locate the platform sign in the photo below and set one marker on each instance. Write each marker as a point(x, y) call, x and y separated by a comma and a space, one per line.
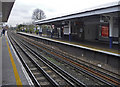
point(105, 31)
point(66, 30)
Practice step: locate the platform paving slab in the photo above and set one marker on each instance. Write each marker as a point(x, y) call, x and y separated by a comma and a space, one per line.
point(8, 77)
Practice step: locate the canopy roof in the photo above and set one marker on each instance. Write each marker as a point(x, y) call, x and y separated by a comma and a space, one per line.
point(103, 9)
point(6, 9)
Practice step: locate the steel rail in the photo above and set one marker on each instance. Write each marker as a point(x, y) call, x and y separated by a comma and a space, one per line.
point(54, 83)
point(75, 66)
point(69, 60)
point(115, 75)
point(36, 83)
point(116, 83)
point(56, 67)
point(81, 66)
point(30, 50)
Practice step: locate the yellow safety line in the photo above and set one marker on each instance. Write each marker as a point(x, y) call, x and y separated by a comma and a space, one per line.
point(17, 77)
point(93, 48)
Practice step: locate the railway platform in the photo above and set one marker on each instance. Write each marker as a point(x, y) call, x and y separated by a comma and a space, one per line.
point(98, 54)
point(94, 46)
point(12, 71)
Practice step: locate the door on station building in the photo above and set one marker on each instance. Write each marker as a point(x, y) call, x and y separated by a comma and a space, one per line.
point(91, 28)
point(77, 30)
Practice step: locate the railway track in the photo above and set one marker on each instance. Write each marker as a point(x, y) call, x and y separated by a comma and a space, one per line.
point(32, 68)
point(77, 59)
point(36, 64)
point(104, 76)
point(108, 79)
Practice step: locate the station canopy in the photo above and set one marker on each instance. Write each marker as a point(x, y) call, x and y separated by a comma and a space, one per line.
point(6, 9)
point(103, 9)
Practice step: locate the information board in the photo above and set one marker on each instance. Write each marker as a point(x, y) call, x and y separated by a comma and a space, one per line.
point(105, 31)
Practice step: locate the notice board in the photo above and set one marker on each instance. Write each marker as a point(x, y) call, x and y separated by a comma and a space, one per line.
point(105, 31)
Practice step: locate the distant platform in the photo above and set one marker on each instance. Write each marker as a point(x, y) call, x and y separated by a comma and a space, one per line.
point(89, 46)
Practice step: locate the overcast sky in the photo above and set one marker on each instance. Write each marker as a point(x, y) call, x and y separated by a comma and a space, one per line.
point(23, 9)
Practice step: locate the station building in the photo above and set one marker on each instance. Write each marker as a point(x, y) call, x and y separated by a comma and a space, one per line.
point(100, 24)
point(5, 9)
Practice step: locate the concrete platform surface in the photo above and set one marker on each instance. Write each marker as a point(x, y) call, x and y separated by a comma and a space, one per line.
point(12, 72)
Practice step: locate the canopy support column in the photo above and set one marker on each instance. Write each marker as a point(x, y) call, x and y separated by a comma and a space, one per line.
point(110, 31)
point(69, 30)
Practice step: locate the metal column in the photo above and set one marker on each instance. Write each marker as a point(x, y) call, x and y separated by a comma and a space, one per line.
point(119, 30)
point(0, 11)
point(69, 30)
point(110, 31)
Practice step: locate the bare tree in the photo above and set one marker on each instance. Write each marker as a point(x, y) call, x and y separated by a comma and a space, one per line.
point(38, 14)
